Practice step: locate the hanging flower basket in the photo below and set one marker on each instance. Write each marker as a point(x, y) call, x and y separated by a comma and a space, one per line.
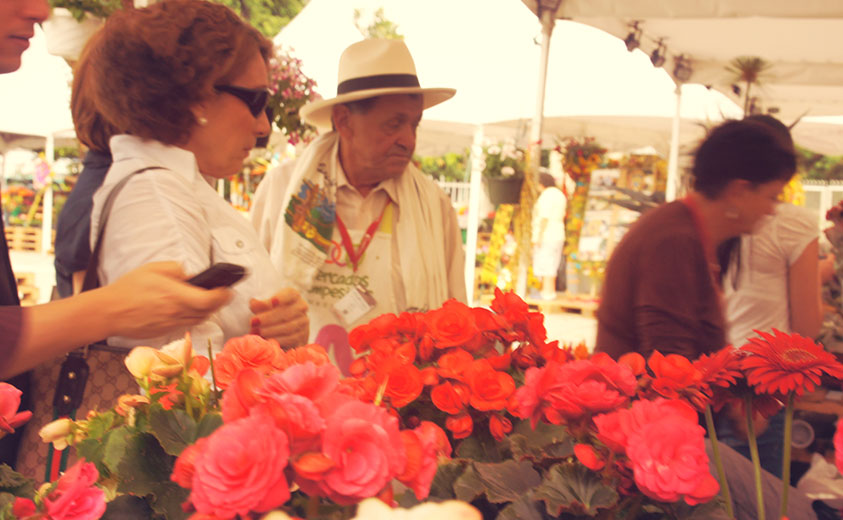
point(504, 190)
point(65, 36)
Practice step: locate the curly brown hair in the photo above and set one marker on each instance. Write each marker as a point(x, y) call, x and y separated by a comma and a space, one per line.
point(158, 61)
point(91, 127)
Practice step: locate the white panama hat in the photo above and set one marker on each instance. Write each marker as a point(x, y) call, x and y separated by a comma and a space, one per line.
point(371, 68)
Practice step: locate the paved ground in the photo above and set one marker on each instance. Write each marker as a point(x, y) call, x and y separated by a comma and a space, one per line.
point(564, 326)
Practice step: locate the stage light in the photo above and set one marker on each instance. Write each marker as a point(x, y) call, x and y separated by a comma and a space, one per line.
point(633, 39)
point(659, 55)
point(682, 70)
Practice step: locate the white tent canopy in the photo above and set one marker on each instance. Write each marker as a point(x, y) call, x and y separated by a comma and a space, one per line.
point(803, 42)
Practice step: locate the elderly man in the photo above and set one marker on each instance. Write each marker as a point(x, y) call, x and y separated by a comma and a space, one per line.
point(352, 223)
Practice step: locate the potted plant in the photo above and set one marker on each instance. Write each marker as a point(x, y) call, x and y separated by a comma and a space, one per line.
point(290, 89)
point(503, 172)
point(72, 22)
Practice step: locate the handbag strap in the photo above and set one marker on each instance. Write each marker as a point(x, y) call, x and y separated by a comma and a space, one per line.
point(91, 280)
point(73, 376)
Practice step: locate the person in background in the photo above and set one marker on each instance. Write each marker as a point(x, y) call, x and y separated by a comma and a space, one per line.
point(771, 277)
point(73, 227)
point(151, 298)
point(548, 234)
point(662, 288)
point(185, 85)
point(770, 280)
point(352, 223)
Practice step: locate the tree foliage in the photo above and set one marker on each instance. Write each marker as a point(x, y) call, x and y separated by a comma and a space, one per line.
point(376, 25)
point(267, 16)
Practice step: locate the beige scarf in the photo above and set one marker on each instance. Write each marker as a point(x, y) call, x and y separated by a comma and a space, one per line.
point(310, 212)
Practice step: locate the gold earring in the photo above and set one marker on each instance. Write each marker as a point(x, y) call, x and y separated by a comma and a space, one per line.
point(202, 121)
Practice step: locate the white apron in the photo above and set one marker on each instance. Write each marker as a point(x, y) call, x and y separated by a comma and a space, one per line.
point(336, 278)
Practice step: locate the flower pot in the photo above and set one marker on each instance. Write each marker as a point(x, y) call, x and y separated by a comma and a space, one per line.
point(65, 36)
point(504, 190)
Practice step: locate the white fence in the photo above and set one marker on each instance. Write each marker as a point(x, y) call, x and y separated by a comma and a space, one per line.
point(458, 191)
point(821, 196)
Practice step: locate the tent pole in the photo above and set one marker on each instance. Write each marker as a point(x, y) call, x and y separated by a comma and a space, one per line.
point(475, 186)
point(47, 212)
point(547, 22)
point(673, 159)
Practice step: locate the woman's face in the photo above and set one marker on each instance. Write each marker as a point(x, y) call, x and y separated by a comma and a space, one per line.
point(756, 202)
point(223, 143)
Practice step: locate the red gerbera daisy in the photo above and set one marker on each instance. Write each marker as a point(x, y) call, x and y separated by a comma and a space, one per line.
point(787, 363)
point(719, 369)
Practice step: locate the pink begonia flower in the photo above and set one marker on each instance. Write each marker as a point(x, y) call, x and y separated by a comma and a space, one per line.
point(307, 379)
point(242, 469)
point(23, 507)
point(563, 392)
point(298, 417)
point(666, 448)
point(242, 394)
point(75, 496)
point(426, 444)
point(364, 442)
point(10, 417)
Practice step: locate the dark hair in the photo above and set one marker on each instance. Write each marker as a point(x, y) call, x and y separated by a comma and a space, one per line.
point(547, 180)
point(748, 150)
point(729, 251)
point(156, 62)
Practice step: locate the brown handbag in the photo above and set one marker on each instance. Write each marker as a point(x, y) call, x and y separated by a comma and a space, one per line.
point(87, 379)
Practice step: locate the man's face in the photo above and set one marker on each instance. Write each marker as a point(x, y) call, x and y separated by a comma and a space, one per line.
point(381, 141)
point(17, 26)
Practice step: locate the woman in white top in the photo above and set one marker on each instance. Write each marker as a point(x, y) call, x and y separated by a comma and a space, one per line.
point(185, 83)
point(772, 279)
point(548, 234)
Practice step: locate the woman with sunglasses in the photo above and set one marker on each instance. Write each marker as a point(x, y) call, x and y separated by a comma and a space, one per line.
point(184, 82)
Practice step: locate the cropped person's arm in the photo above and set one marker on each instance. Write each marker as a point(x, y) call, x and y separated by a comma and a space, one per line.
point(804, 294)
point(146, 302)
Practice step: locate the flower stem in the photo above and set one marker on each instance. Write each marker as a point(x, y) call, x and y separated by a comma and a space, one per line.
point(788, 434)
point(753, 451)
point(721, 473)
point(312, 506)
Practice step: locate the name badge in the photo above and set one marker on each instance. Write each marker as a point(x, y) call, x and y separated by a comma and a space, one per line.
point(354, 305)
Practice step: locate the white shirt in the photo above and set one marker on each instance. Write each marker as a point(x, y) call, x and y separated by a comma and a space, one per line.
point(175, 214)
point(550, 206)
point(358, 212)
point(761, 298)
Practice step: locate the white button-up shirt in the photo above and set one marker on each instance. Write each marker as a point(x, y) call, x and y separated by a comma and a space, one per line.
point(175, 214)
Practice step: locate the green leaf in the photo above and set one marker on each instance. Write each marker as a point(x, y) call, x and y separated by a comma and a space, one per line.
point(100, 424)
point(93, 450)
point(445, 479)
point(145, 471)
point(174, 429)
point(468, 486)
point(208, 424)
point(546, 441)
point(13, 482)
point(525, 508)
point(480, 446)
point(508, 480)
point(574, 487)
point(115, 448)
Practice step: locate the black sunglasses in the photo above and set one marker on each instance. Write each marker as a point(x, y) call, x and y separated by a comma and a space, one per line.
point(255, 98)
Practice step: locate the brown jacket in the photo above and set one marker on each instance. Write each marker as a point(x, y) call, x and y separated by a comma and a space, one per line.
point(658, 292)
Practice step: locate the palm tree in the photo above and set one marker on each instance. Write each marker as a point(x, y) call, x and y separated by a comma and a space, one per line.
point(750, 70)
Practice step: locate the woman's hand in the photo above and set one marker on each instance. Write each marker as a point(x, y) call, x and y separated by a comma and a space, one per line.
point(282, 317)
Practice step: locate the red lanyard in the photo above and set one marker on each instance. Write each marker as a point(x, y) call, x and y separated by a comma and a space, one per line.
point(355, 256)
